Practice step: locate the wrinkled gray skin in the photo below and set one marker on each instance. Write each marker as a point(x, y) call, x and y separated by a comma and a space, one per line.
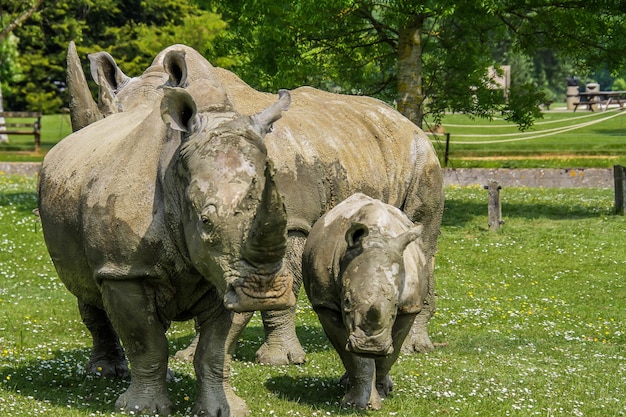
point(325, 148)
point(364, 273)
point(166, 209)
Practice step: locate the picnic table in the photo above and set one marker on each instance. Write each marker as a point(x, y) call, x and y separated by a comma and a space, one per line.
point(591, 99)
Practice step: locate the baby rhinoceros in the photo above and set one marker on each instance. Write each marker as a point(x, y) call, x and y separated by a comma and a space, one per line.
point(364, 273)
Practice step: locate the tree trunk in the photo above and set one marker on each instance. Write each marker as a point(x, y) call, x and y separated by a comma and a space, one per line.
point(410, 93)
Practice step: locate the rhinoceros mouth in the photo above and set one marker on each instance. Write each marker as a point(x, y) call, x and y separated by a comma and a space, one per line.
point(371, 346)
point(260, 291)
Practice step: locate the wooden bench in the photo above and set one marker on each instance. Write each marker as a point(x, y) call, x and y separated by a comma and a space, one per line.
point(29, 124)
point(586, 101)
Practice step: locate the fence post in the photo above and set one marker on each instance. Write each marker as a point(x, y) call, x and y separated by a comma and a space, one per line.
point(619, 176)
point(446, 155)
point(495, 206)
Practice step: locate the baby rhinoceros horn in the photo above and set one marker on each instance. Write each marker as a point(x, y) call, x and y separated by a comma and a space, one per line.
point(402, 241)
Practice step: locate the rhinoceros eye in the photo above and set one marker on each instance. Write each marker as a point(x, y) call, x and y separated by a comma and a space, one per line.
point(205, 216)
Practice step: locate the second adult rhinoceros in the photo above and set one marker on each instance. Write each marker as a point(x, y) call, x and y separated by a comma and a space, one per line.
point(148, 222)
point(325, 148)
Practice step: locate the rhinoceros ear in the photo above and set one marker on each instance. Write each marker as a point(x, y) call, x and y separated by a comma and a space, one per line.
point(111, 74)
point(175, 66)
point(403, 240)
point(355, 235)
point(178, 109)
point(263, 121)
point(109, 78)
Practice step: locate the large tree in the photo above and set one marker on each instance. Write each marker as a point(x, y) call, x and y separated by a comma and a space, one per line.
point(428, 56)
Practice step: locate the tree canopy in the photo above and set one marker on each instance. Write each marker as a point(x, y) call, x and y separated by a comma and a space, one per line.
point(427, 57)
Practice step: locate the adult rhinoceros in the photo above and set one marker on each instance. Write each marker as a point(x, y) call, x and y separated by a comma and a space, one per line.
point(148, 222)
point(326, 148)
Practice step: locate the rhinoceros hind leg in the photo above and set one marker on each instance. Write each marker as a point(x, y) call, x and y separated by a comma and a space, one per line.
point(187, 354)
point(107, 358)
point(281, 346)
point(417, 340)
point(132, 312)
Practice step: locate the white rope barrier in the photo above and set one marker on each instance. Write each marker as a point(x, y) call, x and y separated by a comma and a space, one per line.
point(546, 122)
point(542, 134)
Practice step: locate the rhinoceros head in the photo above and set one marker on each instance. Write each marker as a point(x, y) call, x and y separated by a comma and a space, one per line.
point(118, 92)
point(233, 219)
point(372, 276)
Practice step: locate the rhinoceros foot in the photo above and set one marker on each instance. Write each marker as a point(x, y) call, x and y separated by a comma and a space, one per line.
point(260, 293)
point(187, 354)
point(283, 354)
point(417, 341)
point(384, 386)
point(144, 402)
point(358, 396)
point(281, 346)
point(108, 365)
point(224, 405)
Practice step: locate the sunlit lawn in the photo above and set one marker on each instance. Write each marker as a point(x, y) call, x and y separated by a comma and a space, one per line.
point(530, 320)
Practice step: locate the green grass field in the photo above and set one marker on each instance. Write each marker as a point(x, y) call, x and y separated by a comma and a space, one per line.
point(530, 321)
point(562, 139)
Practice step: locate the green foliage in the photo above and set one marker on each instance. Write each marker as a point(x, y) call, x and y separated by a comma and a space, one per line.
point(9, 69)
point(619, 85)
point(132, 31)
point(529, 322)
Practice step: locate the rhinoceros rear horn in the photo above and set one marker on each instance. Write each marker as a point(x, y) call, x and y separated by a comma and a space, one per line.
point(264, 120)
point(175, 66)
point(83, 109)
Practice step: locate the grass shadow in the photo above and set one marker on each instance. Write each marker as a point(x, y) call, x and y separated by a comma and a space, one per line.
point(61, 380)
point(459, 212)
point(22, 202)
point(321, 393)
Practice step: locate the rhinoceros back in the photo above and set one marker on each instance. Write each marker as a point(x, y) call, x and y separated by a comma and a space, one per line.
point(329, 146)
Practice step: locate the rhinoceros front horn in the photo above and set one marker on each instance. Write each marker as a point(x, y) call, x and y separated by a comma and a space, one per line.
point(83, 108)
point(267, 240)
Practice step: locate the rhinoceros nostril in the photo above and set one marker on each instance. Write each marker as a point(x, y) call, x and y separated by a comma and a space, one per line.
point(372, 316)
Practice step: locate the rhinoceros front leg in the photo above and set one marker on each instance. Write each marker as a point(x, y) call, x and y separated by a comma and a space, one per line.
point(219, 331)
point(281, 346)
point(401, 327)
point(360, 377)
point(132, 312)
point(107, 357)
